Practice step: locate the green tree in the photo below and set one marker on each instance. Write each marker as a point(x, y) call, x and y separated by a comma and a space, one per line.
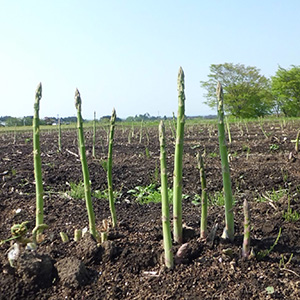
point(247, 94)
point(286, 91)
point(12, 121)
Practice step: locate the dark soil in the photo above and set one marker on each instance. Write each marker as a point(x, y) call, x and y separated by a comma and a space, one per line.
point(130, 264)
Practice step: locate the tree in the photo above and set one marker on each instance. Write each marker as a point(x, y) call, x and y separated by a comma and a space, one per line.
point(247, 94)
point(286, 91)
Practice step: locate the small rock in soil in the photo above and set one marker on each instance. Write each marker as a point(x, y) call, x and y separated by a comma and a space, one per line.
point(188, 252)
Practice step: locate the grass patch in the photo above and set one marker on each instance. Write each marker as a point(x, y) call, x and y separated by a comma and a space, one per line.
point(151, 194)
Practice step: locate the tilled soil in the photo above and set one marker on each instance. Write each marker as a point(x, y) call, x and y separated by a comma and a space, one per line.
point(130, 264)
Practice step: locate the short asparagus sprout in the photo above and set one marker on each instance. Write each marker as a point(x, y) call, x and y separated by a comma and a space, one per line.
point(177, 178)
point(246, 243)
point(37, 159)
point(64, 237)
point(297, 142)
point(77, 235)
point(85, 171)
point(203, 223)
point(109, 170)
point(164, 200)
point(104, 231)
point(228, 232)
point(103, 236)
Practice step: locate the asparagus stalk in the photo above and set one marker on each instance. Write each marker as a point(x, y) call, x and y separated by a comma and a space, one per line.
point(37, 159)
point(177, 181)
point(164, 200)
point(84, 165)
point(77, 235)
point(297, 142)
point(64, 237)
point(246, 242)
point(203, 225)
point(228, 131)
point(109, 169)
point(94, 136)
point(141, 132)
point(59, 135)
point(228, 232)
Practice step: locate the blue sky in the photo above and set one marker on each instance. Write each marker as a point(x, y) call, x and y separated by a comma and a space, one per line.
point(126, 54)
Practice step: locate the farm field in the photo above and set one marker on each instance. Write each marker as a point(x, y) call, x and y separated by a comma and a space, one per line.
point(264, 168)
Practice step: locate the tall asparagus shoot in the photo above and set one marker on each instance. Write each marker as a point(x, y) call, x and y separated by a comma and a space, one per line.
point(246, 242)
point(177, 178)
point(59, 135)
point(109, 169)
point(37, 159)
point(228, 232)
point(203, 225)
point(94, 136)
point(164, 200)
point(85, 170)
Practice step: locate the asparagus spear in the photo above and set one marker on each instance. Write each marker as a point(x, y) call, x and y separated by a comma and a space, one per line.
point(94, 136)
point(228, 232)
point(84, 165)
point(37, 159)
point(246, 242)
point(203, 225)
point(109, 169)
point(177, 181)
point(164, 200)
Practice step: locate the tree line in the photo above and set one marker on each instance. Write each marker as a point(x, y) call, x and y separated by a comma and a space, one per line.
point(248, 94)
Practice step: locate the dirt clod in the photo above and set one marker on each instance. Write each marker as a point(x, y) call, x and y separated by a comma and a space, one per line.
point(72, 272)
point(35, 270)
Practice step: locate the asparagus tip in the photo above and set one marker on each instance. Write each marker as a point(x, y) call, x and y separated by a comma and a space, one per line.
point(38, 91)
point(77, 99)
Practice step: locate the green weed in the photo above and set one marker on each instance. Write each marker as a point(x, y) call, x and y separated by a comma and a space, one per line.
point(76, 190)
point(104, 194)
point(290, 215)
point(273, 195)
point(151, 193)
point(274, 147)
point(262, 254)
point(213, 154)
